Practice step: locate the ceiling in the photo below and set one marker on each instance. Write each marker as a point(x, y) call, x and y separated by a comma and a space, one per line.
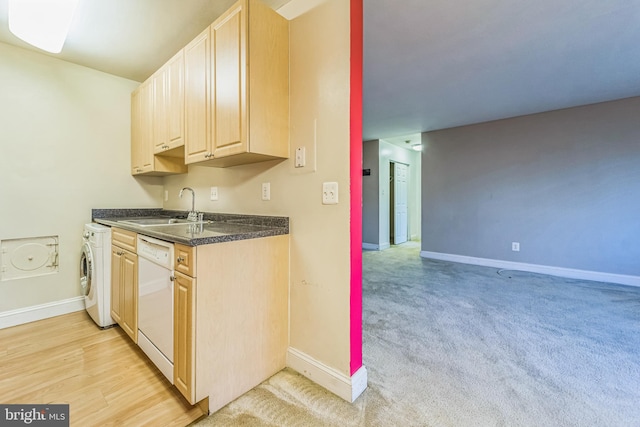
point(440, 63)
point(130, 38)
point(427, 64)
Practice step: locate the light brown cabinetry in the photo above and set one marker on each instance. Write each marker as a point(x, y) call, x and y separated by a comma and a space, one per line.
point(197, 87)
point(241, 66)
point(184, 288)
point(124, 281)
point(184, 309)
point(157, 118)
point(230, 317)
point(141, 150)
point(168, 106)
point(185, 259)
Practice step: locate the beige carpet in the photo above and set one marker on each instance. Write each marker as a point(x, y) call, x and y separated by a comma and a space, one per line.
point(287, 399)
point(449, 344)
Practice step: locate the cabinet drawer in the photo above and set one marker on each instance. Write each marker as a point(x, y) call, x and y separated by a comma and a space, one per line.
point(123, 238)
point(185, 261)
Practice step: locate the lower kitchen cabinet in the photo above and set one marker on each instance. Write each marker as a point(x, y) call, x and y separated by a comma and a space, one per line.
point(184, 292)
point(124, 281)
point(231, 329)
point(230, 312)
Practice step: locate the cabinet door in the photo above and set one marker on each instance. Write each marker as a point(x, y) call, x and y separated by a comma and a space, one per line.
point(146, 125)
point(158, 83)
point(137, 158)
point(229, 78)
point(185, 261)
point(184, 335)
point(115, 284)
point(175, 101)
point(168, 105)
point(129, 294)
point(196, 103)
point(143, 159)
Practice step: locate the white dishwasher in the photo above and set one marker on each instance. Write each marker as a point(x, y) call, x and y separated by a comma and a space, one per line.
point(155, 302)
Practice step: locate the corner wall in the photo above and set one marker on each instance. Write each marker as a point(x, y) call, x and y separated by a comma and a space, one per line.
point(564, 184)
point(320, 234)
point(65, 149)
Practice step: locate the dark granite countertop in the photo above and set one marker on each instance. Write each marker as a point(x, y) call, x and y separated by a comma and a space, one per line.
point(215, 228)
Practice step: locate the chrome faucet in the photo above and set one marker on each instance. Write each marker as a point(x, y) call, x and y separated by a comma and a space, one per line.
point(193, 215)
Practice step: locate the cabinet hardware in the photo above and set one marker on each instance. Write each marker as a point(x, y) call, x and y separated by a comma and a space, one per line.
point(208, 155)
point(172, 278)
point(180, 259)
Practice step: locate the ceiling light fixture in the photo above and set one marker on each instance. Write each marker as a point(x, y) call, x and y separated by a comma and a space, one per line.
point(416, 147)
point(42, 23)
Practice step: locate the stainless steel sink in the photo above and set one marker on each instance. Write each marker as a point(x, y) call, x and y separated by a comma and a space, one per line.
point(155, 221)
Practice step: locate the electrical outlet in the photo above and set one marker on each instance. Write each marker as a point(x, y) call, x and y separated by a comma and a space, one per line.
point(166, 195)
point(329, 193)
point(515, 246)
point(266, 191)
point(214, 193)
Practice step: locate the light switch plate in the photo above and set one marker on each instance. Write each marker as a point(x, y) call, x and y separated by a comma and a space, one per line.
point(214, 193)
point(329, 193)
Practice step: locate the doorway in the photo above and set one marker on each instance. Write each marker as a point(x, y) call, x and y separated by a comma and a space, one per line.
point(398, 202)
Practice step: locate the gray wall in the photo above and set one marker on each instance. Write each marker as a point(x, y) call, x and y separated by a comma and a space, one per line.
point(370, 193)
point(565, 184)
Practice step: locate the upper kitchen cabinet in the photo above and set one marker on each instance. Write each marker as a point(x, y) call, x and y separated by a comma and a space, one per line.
point(149, 117)
point(196, 98)
point(168, 117)
point(241, 67)
point(141, 132)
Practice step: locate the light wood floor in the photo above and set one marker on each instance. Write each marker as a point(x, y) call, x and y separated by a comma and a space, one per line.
point(101, 374)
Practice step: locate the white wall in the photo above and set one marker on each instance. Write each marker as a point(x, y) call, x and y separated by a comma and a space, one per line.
point(320, 258)
point(65, 148)
point(57, 117)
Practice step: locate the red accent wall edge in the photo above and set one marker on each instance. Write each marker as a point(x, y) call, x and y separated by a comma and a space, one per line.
point(356, 183)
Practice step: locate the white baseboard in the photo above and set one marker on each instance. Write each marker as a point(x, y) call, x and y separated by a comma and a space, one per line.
point(358, 383)
point(375, 247)
point(536, 268)
point(39, 312)
point(348, 388)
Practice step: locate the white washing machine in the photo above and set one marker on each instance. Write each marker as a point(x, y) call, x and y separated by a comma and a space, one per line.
point(95, 273)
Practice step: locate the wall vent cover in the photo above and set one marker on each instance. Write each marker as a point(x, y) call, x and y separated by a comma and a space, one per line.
point(28, 257)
